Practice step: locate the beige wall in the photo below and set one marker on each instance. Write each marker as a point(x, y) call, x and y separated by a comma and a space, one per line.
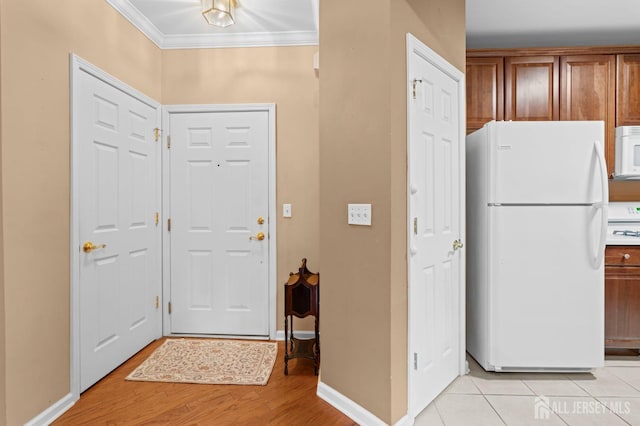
point(363, 143)
point(37, 37)
point(35, 162)
point(363, 159)
point(3, 346)
point(280, 75)
point(355, 116)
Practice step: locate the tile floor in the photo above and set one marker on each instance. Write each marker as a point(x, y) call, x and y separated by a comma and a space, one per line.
point(608, 396)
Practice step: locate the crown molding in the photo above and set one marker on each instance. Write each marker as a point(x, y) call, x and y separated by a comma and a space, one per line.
point(138, 20)
point(202, 41)
point(198, 41)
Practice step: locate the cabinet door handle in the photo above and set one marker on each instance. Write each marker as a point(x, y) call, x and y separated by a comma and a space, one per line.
point(626, 256)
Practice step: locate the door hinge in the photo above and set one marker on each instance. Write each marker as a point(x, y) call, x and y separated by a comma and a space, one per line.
point(415, 360)
point(415, 82)
point(168, 141)
point(415, 226)
point(169, 307)
point(157, 302)
point(157, 218)
point(156, 133)
point(169, 224)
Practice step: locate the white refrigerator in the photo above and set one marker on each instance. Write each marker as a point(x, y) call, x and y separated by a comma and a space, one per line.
point(537, 195)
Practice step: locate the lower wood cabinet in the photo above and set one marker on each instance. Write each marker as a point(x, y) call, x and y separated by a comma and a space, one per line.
point(622, 297)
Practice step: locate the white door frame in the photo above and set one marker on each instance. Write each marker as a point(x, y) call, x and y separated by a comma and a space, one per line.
point(166, 202)
point(78, 66)
point(416, 47)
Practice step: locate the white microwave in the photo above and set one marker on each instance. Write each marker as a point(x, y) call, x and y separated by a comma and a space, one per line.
point(627, 152)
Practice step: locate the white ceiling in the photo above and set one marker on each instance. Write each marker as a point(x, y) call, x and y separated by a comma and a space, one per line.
point(548, 23)
point(490, 23)
point(180, 24)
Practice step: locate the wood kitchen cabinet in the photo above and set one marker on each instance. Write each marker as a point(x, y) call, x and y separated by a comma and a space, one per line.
point(556, 83)
point(485, 91)
point(628, 90)
point(532, 88)
point(622, 297)
point(587, 92)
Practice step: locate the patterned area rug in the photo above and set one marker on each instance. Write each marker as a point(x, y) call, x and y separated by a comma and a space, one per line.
point(205, 361)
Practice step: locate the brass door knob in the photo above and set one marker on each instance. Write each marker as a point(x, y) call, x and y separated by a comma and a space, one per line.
point(88, 247)
point(457, 244)
point(260, 220)
point(259, 236)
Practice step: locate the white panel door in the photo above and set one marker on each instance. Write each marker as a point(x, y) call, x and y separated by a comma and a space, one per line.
point(435, 265)
point(118, 197)
point(219, 207)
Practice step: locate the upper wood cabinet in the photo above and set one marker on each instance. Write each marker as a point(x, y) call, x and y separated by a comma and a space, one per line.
point(532, 88)
point(587, 92)
point(557, 83)
point(628, 90)
point(485, 91)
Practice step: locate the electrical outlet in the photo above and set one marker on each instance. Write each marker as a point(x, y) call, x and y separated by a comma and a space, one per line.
point(286, 210)
point(359, 214)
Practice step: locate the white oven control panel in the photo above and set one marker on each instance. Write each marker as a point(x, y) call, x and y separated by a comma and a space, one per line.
point(624, 224)
point(624, 212)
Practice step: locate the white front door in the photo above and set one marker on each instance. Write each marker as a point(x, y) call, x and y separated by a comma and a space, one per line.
point(219, 210)
point(435, 207)
point(118, 195)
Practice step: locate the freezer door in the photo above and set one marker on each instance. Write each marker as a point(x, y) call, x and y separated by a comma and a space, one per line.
point(546, 291)
point(551, 162)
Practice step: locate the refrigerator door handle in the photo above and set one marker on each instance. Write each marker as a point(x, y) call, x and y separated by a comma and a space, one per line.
point(602, 204)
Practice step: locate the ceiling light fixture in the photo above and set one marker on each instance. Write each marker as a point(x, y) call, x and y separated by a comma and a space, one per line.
point(219, 12)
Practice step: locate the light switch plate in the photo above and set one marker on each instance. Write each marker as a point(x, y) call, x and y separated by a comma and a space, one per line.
point(286, 210)
point(359, 214)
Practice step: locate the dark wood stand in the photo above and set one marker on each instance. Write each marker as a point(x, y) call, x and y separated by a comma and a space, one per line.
point(301, 299)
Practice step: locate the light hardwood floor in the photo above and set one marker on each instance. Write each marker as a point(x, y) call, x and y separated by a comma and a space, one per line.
point(285, 400)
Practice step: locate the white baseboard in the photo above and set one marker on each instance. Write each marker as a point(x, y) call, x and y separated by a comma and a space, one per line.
point(302, 334)
point(405, 421)
point(53, 412)
point(349, 408)
point(340, 402)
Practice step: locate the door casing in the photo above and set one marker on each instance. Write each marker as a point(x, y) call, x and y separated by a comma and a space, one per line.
point(166, 202)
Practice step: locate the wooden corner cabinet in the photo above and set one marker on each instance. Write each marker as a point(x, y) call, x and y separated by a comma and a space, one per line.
point(622, 297)
point(302, 299)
